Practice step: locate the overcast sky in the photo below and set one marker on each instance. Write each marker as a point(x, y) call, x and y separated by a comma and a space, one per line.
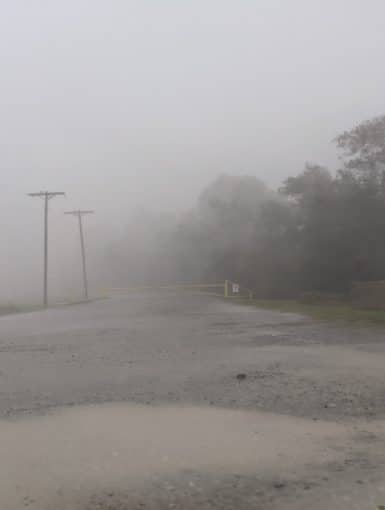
point(122, 102)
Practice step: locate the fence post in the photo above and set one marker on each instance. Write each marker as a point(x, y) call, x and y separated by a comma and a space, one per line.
point(226, 288)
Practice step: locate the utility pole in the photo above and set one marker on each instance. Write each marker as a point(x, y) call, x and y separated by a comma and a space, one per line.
point(46, 196)
point(79, 214)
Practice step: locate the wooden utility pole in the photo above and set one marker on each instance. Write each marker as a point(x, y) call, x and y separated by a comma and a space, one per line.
point(79, 214)
point(46, 196)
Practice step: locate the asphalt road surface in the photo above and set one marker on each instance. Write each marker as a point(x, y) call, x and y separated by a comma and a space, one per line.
point(172, 400)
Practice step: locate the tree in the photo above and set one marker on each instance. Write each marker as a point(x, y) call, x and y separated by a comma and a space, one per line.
point(313, 193)
point(363, 153)
point(322, 231)
point(220, 233)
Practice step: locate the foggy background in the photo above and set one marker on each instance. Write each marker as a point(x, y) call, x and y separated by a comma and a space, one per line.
point(140, 104)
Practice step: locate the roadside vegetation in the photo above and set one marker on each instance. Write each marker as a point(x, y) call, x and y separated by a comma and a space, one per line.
point(323, 312)
point(321, 232)
point(9, 308)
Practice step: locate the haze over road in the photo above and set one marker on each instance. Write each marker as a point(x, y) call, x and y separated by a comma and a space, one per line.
point(229, 407)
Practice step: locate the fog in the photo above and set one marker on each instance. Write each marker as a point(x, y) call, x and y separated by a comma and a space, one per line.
point(139, 105)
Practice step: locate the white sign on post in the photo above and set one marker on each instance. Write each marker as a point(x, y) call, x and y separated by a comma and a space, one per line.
point(235, 288)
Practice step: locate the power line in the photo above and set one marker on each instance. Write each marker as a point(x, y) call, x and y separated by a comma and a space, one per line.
point(79, 214)
point(46, 196)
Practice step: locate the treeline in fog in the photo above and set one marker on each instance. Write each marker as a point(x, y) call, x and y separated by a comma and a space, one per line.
point(322, 230)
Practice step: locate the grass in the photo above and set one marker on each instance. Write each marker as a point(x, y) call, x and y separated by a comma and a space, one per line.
point(10, 309)
point(324, 312)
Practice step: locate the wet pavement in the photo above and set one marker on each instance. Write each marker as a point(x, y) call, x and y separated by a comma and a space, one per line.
point(217, 405)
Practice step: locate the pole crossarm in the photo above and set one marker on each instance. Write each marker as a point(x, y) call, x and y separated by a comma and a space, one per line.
point(47, 194)
point(79, 212)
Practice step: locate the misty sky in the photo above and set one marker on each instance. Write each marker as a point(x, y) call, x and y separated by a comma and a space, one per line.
point(123, 103)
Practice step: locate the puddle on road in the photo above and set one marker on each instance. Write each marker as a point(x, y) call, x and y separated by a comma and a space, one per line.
point(60, 460)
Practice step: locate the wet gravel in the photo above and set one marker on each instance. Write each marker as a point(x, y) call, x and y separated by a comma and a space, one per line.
point(156, 349)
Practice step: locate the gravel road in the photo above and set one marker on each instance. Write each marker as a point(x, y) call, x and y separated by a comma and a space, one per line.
point(171, 400)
